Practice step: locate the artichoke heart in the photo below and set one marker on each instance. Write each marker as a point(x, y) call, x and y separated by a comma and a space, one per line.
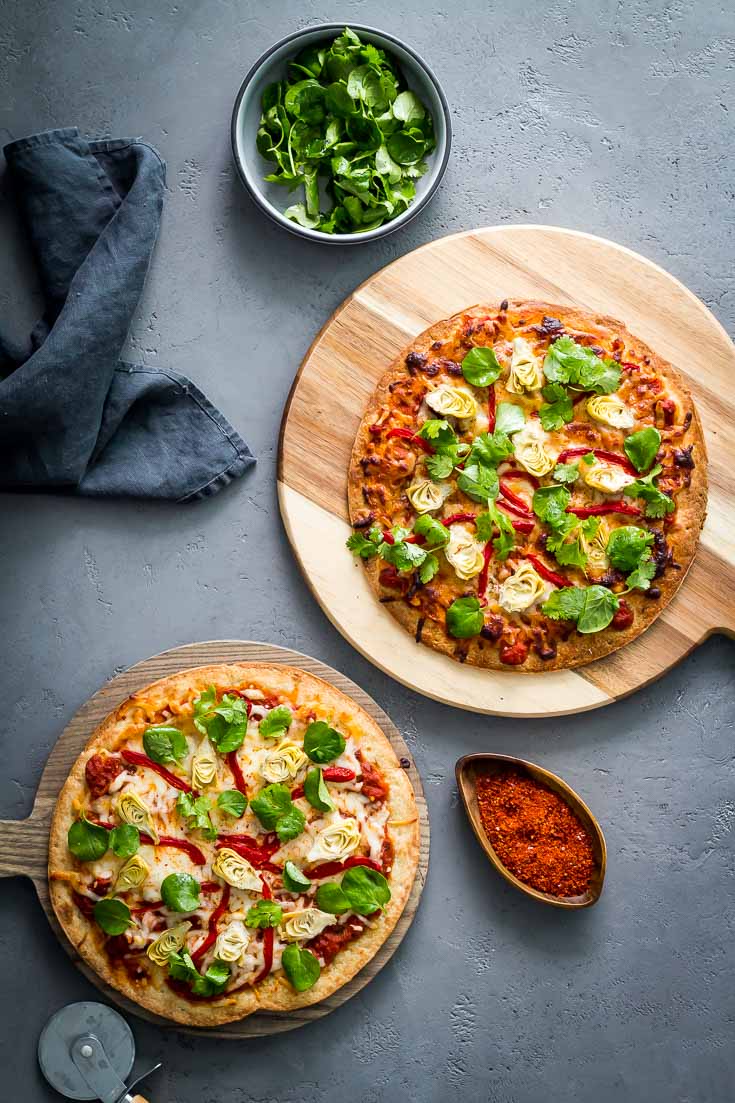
point(522, 589)
point(595, 548)
point(283, 762)
point(530, 448)
point(607, 477)
point(425, 496)
point(232, 942)
point(131, 875)
point(526, 373)
point(168, 943)
point(335, 842)
point(463, 552)
point(296, 926)
point(610, 410)
point(131, 809)
point(451, 401)
point(236, 870)
point(203, 765)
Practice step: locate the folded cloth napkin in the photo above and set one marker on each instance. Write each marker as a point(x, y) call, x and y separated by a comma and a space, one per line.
point(74, 418)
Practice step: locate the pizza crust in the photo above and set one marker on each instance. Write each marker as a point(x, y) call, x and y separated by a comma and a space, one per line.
point(682, 538)
point(274, 993)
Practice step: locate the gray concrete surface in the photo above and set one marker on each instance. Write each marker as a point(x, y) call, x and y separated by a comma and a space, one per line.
point(609, 117)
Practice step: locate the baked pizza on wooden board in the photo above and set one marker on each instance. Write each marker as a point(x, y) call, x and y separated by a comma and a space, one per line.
point(527, 486)
point(233, 838)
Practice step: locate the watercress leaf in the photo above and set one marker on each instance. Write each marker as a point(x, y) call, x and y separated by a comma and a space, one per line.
point(124, 840)
point(264, 913)
point(386, 166)
point(599, 608)
point(180, 892)
point(550, 502)
point(490, 449)
point(408, 107)
point(558, 408)
point(338, 100)
point(480, 367)
point(405, 148)
point(564, 604)
point(87, 841)
point(428, 568)
point(316, 792)
point(509, 418)
point(627, 546)
point(641, 447)
point(366, 889)
point(301, 967)
point(165, 744)
point(181, 967)
point(642, 576)
point(464, 618)
point(566, 472)
point(276, 722)
point(435, 533)
point(330, 898)
point(204, 706)
point(113, 916)
point(214, 980)
point(294, 879)
point(479, 482)
point(365, 132)
point(297, 213)
point(232, 802)
point(270, 804)
point(323, 744)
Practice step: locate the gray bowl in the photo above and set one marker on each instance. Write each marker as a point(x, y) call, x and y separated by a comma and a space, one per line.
point(271, 66)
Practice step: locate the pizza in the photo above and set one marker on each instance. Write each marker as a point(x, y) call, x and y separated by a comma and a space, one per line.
point(233, 838)
point(527, 486)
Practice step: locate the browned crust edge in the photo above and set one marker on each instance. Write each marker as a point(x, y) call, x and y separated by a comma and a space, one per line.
point(691, 508)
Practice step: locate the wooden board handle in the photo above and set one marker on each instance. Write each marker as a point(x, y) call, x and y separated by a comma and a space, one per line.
point(24, 848)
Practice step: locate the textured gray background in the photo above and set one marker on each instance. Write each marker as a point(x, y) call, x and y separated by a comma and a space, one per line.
point(608, 117)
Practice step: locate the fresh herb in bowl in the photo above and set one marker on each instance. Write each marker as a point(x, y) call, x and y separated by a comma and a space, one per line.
point(345, 127)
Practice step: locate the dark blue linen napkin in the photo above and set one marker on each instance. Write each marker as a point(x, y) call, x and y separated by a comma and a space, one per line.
point(74, 418)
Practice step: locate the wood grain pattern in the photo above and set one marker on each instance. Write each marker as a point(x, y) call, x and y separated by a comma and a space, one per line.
point(349, 356)
point(24, 843)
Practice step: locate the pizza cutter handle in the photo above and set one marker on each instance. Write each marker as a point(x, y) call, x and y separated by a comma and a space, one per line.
point(24, 848)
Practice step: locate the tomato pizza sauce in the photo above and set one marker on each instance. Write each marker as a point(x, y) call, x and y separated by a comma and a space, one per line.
point(535, 833)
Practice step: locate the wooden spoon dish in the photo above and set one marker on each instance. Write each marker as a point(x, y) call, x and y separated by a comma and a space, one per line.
point(466, 771)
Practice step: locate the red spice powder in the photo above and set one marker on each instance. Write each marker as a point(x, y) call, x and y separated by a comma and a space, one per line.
point(535, 833)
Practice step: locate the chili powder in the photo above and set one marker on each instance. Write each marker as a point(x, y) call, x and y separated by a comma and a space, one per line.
point(535, 833)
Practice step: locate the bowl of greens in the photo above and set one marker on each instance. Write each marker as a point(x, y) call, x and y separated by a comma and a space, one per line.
point(341, 134)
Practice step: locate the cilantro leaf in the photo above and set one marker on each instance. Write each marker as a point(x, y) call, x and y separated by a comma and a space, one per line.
point(558, 409)
point(566, 472)
point(225, 723)
point(550, 503)
point(434, 531)
point(641, 447)
point(509, 418)
point(628, 546)
point(658, 504)
point(464, 618)
point(402, 556)
point(428, 568)
point(365, 545)
point(479, 482)
point(577, 366)
point(439, 434)
point(264, 913)
point(490, 449)
point(641, 577)
point(480, 367)
point(592, 607)
point(440, 465)
point(195, 810)
point(276, 722)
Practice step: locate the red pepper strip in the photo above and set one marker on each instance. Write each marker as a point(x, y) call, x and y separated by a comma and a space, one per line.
point(267, 940)
point(338, 773)
point(510, 508)
point(408, 434)
point(491, 409)
point(254, 855)
point(523, 526)
point(236, 772)
point(331, 869)
point(453, 518)
point(487, 554)
point(136, 759)
point(605, 507)
point(519, 506)
point(513, 471)
point(545, 572)
point(270, 844)
point(214, 919)
point(601, 454)
point(414, 538)
point(165, 840)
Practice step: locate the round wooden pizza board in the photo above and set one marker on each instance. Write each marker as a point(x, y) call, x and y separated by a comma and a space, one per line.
point(380, 318)
point(24, 843)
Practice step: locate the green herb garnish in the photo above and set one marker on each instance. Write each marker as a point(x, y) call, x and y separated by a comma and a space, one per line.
point(464, 618)
point(113, 916)
point(165, 744)
point(480, 367)
point(124, 840)
point(658, 504)
point(87, 841)
point(322, 743)
point(264, 913)
point(277, 812)
point(180, 892)
point(276, 723)
point(641, 447)
point(579, 367)
point(195, 811)
point(592, 607)
point(233, 803)
point(301, 967)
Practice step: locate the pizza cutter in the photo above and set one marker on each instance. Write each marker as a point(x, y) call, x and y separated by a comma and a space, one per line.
point(86, 1051)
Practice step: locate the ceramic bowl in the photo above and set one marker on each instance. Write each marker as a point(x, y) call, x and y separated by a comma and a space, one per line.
point(271, 66)
point(466, 769)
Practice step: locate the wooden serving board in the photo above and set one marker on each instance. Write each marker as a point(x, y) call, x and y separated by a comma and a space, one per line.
point(24, 843)
point(379, 319)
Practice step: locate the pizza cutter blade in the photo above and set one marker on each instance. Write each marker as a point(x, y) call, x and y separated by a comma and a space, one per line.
point(86, 1051)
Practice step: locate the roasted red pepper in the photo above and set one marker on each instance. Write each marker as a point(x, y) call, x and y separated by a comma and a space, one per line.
point(331, 869)
point(605, 507)
point(515, 501)
point(453, 518)
point(338, 773)
point(236, 772)
point(487, 554)
point(624, 617)
point(214, 919)
point(412, 538)
point(136, 759)
point(193, 851)
point(546, 572)
point(267, 940)
point(491, 409)
point(514, 654)
point(258, 854)
point(600, 454)
point(414, 438)
point(523, 526)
